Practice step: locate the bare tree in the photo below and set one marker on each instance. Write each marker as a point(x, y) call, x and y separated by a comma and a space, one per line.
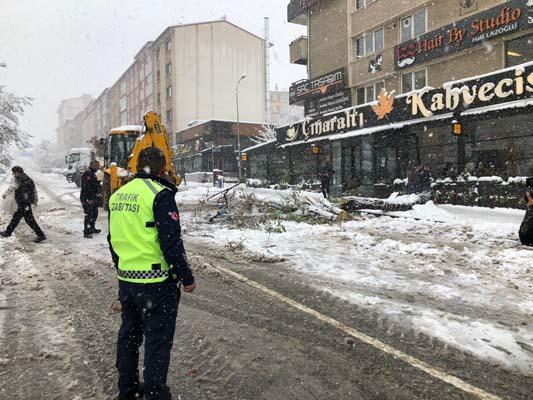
point(11, 108)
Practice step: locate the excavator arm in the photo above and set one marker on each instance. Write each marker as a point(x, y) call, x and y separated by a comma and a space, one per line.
point(155, 135)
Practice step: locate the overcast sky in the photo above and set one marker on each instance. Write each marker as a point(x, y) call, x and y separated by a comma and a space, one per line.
point(63, 48)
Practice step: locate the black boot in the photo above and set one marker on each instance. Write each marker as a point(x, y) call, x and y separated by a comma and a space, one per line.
point(138, 394)
point(87, 235)
point(40, 239)
point(94, 230)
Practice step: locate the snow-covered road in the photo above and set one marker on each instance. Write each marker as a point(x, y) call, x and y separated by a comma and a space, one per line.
point(464, 280)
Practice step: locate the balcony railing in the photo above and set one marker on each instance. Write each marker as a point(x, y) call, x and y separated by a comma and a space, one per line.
point(299, 51)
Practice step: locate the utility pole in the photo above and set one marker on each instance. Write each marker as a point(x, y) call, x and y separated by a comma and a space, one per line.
point(239, 126)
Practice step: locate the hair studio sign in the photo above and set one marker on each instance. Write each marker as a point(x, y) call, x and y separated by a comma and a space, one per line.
point(509, 17)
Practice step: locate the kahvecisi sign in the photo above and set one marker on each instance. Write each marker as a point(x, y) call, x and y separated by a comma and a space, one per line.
point(509, 17)
point(501, 87)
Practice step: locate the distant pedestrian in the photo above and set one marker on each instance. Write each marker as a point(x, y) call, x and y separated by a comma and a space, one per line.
point(89, 199)
point(325, 175)
point(411, 179)
point(526, 227)
point(425, 178)
point(25, 196)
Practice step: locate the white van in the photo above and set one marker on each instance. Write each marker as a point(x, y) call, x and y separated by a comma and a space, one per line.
point(78, 160)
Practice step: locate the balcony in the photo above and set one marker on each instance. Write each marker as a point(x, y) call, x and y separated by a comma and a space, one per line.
point(299, 51)
point(297, 13)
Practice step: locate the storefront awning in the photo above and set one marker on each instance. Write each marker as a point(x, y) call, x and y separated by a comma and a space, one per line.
point(498, 107)
point(371, 130)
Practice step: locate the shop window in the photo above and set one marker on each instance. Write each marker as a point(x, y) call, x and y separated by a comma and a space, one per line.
point(414, 81)
point(369, 93)
point(369, 43)
point(413, 25)
point(519, 51)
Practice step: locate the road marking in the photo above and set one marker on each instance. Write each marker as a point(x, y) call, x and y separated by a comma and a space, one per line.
point(378, 344)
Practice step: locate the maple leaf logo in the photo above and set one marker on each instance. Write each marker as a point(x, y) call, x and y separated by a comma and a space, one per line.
point(385, 104)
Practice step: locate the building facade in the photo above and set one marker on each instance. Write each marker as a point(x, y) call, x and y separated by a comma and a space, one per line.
point(405, 51)
point(188, 73)
point(281, 112)
point(213, 145)
point(66, 112)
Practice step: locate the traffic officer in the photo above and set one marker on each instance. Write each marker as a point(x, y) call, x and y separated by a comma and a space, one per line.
point(146, 246)
point(90, 187)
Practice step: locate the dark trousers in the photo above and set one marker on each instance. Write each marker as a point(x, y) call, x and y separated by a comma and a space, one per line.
point(324, 186)
point(24, 211)
point(91, 213)
point(149, 309)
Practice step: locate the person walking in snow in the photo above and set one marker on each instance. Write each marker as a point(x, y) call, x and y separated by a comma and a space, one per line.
point(89, 199)
point(325, 175)
point(146, 246)
point(25, 196)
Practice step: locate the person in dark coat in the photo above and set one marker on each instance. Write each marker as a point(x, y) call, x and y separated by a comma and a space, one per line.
point(89, 199)
point(325, 175)
point(25, 196)
point(526, 228)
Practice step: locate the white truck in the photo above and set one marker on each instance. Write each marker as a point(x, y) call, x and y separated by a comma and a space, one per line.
point(77, 161)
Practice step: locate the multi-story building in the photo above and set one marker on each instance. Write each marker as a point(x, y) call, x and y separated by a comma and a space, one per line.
point(188, 73)
point(197, 67)
point(281, 112)
point(66, 111)
point(434, 63)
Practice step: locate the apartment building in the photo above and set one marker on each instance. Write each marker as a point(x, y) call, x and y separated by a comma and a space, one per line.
point(66, 112)
point(188, 73)
point(420, 55)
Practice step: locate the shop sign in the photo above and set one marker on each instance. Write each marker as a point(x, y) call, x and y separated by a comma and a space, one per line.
point(512, 16)
point(321, 86)
point(182, 149)
point(505, 86)
point(328, 104)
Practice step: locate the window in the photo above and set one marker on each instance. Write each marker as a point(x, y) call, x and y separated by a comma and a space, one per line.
point(169, 92)
point(369, 93)
point(169, 45)
point(369, 43)
point(169, 68)
point(158, 76)
point(414, 81)
point(413, 25)
point(378, 40)
point(169, 116)
point(519, 51)
point(122, 103)
point(362, 3)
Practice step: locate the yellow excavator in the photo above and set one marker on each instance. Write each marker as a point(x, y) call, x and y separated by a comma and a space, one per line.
point(122, 150)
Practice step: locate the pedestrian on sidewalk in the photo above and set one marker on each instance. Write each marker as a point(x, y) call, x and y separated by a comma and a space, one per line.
point(90, 186)
point(325, 175)
point(146, 246)
point(526, 227)
point(25, 196)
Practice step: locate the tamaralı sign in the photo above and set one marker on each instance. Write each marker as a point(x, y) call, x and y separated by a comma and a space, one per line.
point(509, 17)
point(504, 86)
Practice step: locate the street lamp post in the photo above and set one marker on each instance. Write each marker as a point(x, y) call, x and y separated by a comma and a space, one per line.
point(239, 126)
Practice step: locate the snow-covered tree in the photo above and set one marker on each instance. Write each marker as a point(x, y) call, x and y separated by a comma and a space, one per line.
point(11, 108)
